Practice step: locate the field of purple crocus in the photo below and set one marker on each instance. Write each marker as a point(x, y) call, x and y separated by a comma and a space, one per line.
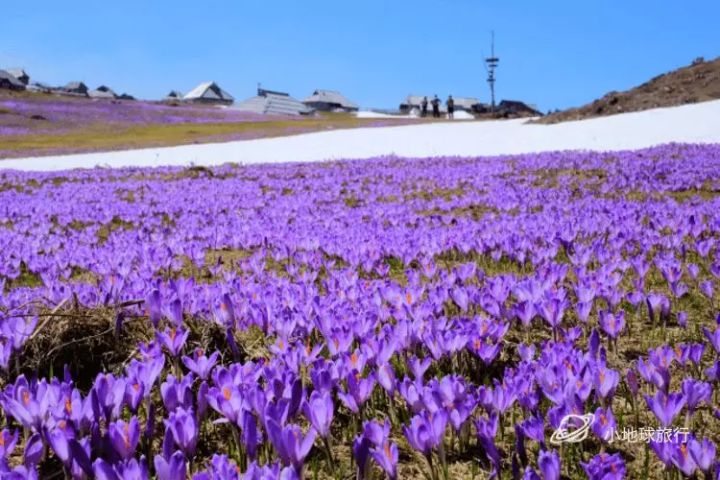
point(401, 318)
point(34, 124)
point(59, 114)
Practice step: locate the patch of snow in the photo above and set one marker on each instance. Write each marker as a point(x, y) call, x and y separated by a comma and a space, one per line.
point(696, 123)
point(371, 114)
point(462, 115)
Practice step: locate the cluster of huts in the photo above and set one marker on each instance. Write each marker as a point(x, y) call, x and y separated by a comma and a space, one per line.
point(265, 102)
point(507, 108)
point(281, 103)
point(18, 79)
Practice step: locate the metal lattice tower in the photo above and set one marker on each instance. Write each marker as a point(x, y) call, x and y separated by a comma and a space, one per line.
point(491, 64)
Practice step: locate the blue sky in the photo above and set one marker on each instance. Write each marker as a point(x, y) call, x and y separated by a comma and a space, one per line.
point(554, 54)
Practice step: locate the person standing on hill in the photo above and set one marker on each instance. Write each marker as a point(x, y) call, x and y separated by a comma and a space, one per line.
point(450, 107)
point(423, 107)
point(436, 106)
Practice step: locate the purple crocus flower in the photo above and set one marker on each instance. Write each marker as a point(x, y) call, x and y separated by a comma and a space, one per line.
point(361, 453)
point(375, 442)
point(174, 312)
point(680, 456)
point(225, 311)
point(552, 311)
point(707, 288)
point(176, 394)
point(134, 393)
point(486, 432)
point(682, 318)
point(549, 464)
point(226, 398)
point(324, 376)
point(530, 474)
point(386, 377)
point(107, 396)
point(606, 381)
point(713, 337)
point(128, 470)
point(173, 468)
point(534, 428)
point(7, 445)
point(145, 372)
point(631, 381)
point(290, 443)
point(678, 289)
point(525, 312)
point(201, 365)
point(694, 392)
point(612, 323)
point(104, 470)
point(249, 433)
point(183, 425)
point(418, 367)
point(526, 352)
point(18, 330)
point(387, 458)
point(460, 297)
point(6, 350)
point(693, 352)
point(604, 424)
point(702, 452)
point(124, 437)
point(419, 436)
point(73, 454)
point(319, 411)
point(713, 372)
point(451, 395)
point(358, 391)
point(150, 350)
point(34, 450)
point(153, 307)
point(656, 375)
point(202, 400)
point(663, 450)
point(655, 303)
point(27, 403)
point(426, 431)
point(222, 468)
point(605, 466)
point(375, 432)
point(173, 339)
point(486, 349)
point(665, 406)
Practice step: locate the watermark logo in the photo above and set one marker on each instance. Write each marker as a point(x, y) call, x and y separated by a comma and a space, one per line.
point(573, 429)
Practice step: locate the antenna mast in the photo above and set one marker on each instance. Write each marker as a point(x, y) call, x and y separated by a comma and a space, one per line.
point(492, 63)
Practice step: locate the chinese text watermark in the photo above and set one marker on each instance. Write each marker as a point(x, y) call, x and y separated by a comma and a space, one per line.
point(576, 428)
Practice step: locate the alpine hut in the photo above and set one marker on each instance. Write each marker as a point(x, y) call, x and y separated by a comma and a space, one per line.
point(8, 81)
point(102, 91)
point(20, 74)
point(330, 101)
point(173, 96)
point(209, 92)
point(273, 103)
point(74, 88)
